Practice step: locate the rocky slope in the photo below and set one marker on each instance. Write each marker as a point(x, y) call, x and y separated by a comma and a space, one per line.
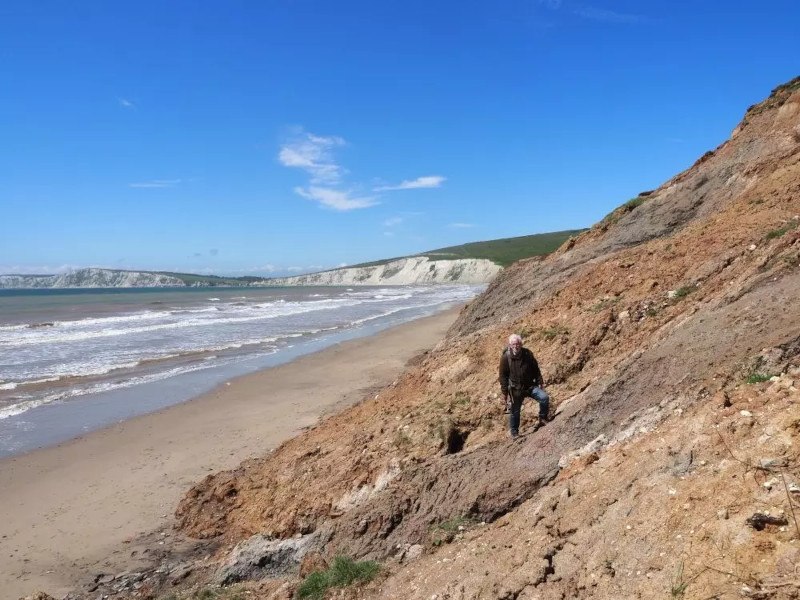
point(91, 278)
point(669, 335)
point(404, 271)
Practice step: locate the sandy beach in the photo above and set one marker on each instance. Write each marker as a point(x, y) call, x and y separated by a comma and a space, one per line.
point(70, 510)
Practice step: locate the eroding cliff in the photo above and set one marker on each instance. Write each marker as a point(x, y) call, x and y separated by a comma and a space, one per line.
point(669, 335)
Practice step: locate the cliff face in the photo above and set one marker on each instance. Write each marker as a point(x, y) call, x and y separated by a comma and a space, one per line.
point(669, 335)
point(91, 278)
point(404, 271)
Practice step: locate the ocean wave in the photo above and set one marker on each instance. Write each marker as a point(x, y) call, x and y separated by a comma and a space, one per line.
point(21, 407)
point(104, 367)
point(55, 335)
point(29, 403)
point(381, 315)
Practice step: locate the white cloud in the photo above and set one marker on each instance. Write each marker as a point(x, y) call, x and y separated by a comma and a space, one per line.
point(335, 199)
point(393, 221)
point(592, 13)
point(125, 103)
point(313, 154)
point(461, 225)
point(156, 183)
point(604, 15)
point(266, 268)
point(307, 269)
point(37, 269)
point(429, 181)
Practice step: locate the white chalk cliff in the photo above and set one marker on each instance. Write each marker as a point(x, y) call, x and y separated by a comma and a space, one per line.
point(91, 278)
point(403, 271)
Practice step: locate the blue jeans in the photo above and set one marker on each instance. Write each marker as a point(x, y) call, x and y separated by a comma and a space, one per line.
point(517, 396)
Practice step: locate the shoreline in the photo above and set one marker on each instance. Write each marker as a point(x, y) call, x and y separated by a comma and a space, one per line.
point(70, 508)
point(49, 422)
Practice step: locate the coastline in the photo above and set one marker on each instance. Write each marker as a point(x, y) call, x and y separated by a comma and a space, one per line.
point(70, 508)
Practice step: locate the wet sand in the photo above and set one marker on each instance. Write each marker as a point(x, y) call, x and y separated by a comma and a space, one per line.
point(69, 510)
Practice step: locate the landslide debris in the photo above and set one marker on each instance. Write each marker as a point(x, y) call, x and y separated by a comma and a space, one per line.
point(669, 334)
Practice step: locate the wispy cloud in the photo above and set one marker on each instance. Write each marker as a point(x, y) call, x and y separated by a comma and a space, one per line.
point(125, 103)
point(313, 154)
point(592, 13)
point(37, 269)
point(393, 221)
point(156, 183)
point(336, 199)
point(257, 270)
point(461, 225)
point(604, 15)
point(429, 181)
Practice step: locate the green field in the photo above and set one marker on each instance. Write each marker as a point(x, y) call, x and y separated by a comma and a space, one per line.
point(503, 252)
point(210, 280)
point(507, 250)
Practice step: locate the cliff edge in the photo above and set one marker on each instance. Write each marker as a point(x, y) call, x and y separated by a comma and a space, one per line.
point(669, 335)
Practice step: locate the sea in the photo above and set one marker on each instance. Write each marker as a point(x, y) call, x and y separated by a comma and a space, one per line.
point(75, 360)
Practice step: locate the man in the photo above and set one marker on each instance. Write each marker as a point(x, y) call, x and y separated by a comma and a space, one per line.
point(521, 378)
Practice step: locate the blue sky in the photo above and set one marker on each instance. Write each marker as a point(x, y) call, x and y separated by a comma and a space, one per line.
point(273, 136)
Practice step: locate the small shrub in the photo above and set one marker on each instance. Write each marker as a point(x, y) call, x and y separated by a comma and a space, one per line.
point(525, 331)
point(776, 233)
point(445, 532)
point(604, 303)
point(452, 525)
point(342, 573)
point(551, 333)
point(679, 584)
point(684, 291)
point(461, 398)
point(209, 593)
point(633, 203)
point(757, 378)
point(402, 439)
point(614, 216)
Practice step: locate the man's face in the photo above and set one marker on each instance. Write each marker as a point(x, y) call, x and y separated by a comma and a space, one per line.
point(515, 346)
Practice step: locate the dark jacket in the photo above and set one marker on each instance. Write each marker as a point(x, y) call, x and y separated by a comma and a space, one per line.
point(520, 372)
